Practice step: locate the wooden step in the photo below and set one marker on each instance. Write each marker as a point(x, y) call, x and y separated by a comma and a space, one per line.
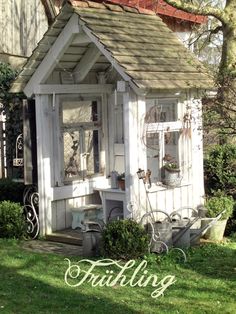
point(68, 236)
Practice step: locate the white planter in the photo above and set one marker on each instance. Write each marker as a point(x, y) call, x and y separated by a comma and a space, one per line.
point(172, 178)
point(215, 232)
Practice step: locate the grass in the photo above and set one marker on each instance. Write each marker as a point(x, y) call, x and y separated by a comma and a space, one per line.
point(34, 283)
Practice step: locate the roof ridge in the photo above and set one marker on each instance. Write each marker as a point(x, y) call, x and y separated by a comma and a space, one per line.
point(110, 6)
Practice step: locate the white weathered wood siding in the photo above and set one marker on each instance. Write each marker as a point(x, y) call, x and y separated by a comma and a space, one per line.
point(116, 132)
point(44, 160)
point(61, 210)
point(191, 192)
point(57, 198)
point(57, 201)
point(22, 25)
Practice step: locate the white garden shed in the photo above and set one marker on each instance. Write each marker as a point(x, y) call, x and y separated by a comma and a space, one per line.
point(114, 90)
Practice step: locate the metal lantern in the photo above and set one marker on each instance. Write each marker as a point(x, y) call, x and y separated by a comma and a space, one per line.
point(141, 174)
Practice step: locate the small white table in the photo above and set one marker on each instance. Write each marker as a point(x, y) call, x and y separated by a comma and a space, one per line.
point(112, 200)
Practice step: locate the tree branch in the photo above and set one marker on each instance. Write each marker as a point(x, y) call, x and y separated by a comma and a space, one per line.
point(216, 30)
point(197, 9)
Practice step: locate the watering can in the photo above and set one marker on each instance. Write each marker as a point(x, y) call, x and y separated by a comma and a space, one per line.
point(160, 231)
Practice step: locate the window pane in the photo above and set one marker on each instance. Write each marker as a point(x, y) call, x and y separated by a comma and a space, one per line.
point(81, 153)
point(91, 155)
point(160, 111)
point(152, 143)
point(171, 145)
point(79, 111)
point(119, 125)
point(72, 164)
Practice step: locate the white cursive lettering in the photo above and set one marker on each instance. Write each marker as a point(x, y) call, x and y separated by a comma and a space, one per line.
point(140, 276)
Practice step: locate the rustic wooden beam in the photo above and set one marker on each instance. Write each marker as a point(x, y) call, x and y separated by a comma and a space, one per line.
point(73, 89)
point(53, 56)
point(86, 63)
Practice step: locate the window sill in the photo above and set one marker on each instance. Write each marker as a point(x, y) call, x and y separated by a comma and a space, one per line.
point(157, 187)
point(78, 180)
point(77, 188)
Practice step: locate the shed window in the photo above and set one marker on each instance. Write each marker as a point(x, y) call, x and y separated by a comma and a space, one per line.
point(162, 135)
point(81, 138)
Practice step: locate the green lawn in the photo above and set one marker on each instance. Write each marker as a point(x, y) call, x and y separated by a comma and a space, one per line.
point(34, 283)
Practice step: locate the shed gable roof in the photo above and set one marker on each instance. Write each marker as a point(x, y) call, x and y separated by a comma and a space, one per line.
point(137, 42)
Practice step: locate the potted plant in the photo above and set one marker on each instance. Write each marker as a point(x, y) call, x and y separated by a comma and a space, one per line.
point(172, 173)
point(121, 181)
point(215, 205)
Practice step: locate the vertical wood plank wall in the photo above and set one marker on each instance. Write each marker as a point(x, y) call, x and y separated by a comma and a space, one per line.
point(44, 151)
point(166, 200)
point(190, 193)
point(57, 214)
point(22, 25)
point(61, 210)
point(169, 200)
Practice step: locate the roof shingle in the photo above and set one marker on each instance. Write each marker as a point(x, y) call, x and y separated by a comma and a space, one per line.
point(139, 42)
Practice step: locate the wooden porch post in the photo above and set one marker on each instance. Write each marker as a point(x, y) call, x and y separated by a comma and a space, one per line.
point(44, 146)
point(134, 110)
point(197, 153)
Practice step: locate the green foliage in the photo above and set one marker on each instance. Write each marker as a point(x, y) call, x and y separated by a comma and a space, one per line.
point(219, 202)
point(171, 166)
point(12, 222)
point(12, 108)
point(11, 191)
point(121, 176)
point(233, 237)
point(124, 239)
point(7, 75)
point(220, 168)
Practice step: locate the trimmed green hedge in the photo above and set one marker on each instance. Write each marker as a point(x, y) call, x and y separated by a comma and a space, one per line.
point(12, 220)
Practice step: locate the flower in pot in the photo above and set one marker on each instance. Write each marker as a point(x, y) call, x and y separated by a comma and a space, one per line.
point(215, 205)
point(172, 173)
point(121, 181)
point(171, 167)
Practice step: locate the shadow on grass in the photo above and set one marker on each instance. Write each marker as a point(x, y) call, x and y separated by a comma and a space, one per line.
point(24, 294)
point(34, 283)
point(27, 293)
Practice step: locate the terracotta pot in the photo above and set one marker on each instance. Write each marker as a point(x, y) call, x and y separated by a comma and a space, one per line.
point(121, 184)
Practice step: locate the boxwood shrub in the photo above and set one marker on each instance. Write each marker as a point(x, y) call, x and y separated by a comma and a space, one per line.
point(124, 239)
point(218, 203)
point(220, 169)
point(12, 220)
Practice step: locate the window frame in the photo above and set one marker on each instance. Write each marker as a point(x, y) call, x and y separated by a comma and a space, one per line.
point(161, 128)
point(82, 127)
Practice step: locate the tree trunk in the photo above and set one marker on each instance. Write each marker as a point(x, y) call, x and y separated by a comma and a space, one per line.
point(228, 57)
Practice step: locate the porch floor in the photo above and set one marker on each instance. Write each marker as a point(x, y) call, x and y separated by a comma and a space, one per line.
point(68, 236)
